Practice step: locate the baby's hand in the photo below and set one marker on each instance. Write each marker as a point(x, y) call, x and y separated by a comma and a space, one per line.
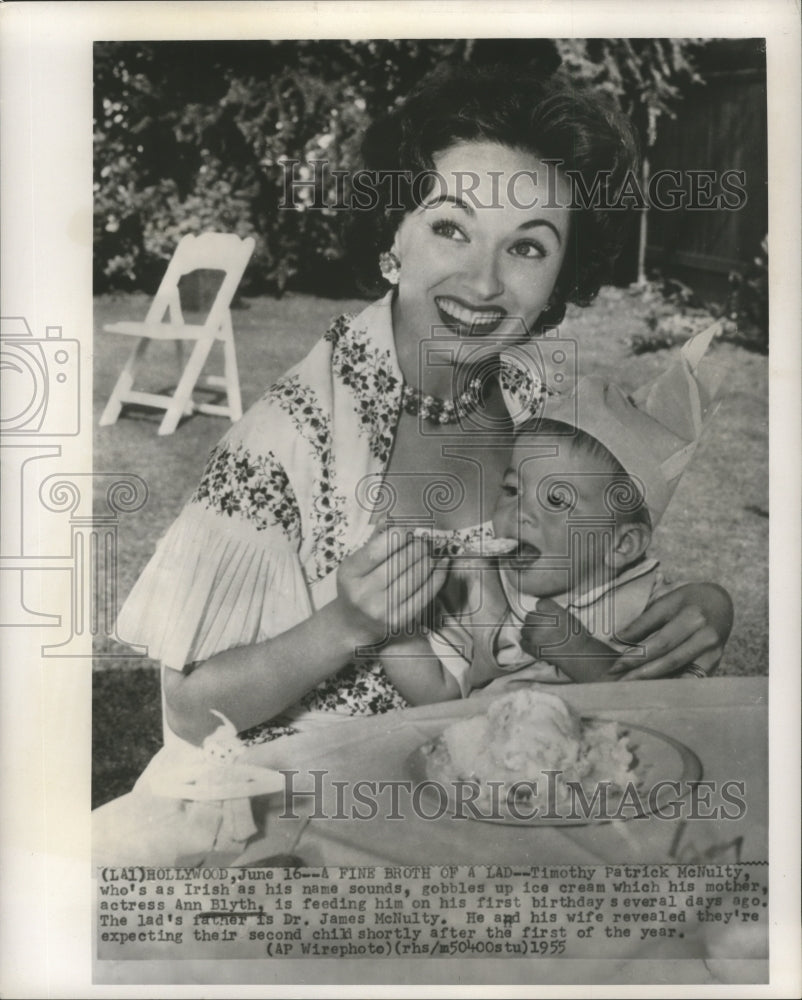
point(551, 633)
point(550, 630)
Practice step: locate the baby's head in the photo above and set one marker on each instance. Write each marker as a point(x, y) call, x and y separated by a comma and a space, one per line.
point(579, 518)
point(585, 486)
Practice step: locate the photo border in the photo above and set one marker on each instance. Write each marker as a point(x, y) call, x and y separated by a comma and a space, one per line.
point(45, 149)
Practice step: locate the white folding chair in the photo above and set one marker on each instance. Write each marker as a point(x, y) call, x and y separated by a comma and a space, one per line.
point(165, 321)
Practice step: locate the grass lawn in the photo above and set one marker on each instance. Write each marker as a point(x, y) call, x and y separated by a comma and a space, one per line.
point(716, 527)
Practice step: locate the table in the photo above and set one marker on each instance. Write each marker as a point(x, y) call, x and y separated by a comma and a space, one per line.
point(723, 720)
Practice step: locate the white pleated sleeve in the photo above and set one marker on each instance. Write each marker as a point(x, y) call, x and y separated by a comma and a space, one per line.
point(214, 583)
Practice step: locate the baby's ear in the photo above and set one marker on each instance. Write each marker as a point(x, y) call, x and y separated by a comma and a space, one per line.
point(631, 542)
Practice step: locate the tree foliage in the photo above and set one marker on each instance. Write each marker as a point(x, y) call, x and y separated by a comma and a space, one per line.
point(191, 136)
point(648, 77)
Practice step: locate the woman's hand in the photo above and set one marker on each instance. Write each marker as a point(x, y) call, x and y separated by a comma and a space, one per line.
point(381, 590)
point(384, 587)
point(688, 626)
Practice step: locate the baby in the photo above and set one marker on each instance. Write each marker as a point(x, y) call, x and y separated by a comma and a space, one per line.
point(577, 505)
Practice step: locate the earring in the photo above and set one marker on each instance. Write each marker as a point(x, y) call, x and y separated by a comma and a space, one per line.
point(390, 266)
point(552, 315)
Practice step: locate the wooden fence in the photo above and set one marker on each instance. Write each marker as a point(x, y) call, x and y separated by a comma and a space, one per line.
point(719, 127)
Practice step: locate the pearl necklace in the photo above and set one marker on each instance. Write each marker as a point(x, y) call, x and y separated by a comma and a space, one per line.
point(441, 411)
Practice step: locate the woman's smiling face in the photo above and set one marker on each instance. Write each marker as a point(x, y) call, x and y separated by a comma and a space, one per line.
point(482, 254)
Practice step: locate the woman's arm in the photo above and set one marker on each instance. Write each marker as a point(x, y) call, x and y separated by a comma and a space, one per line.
point(689, 625)
point(251, 684)
point(380, 588)
point(418, 673)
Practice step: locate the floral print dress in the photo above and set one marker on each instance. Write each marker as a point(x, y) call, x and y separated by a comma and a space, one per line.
point(284, 498)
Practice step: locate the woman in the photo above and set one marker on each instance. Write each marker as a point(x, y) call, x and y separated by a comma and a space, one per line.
point(274, 574)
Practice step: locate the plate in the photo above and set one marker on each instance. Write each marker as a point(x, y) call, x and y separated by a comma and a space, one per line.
point(662, 768)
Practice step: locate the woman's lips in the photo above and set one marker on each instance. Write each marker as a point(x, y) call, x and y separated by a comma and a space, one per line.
point(474, 322)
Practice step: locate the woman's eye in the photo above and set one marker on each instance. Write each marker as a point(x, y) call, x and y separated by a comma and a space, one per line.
point(528, 249)
point(508, 490)
point(448, 229)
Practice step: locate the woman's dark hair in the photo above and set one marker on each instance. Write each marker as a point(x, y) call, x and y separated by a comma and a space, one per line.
point(553, 119)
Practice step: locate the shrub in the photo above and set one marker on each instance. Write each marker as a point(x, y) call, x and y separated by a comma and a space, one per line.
point(747, 308)
point(192, 137)
point(673, 314)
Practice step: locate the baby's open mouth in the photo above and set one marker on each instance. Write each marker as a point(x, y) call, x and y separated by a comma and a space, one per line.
point(523, 554)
